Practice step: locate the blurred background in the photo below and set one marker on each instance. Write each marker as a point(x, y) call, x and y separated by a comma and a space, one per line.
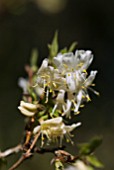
point(29, 24)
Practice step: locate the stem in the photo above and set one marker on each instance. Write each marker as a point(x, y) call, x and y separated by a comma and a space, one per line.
point(22, 158)
point(27, 154)
point(10, 151)
point(33, 143)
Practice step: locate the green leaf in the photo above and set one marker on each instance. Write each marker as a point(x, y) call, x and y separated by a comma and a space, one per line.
point(34, 59)
point(72, 47)
point(32, 93)
point(53, 47)
point(64, 50)
point(45, 117)
point(41, 113)
point(94, 161)
point(88, 148)
point(90, 168)
point(58, 165)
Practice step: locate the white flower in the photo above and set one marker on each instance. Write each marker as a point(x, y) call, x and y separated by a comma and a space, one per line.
point(55, 128)
point(73, 68)
point(90, 79)
point(60, 104)
point(69, 76)
point(49, 77)
point(23, 83)
point(74, 81)
point(27, 109)
point(68, 61)
point(39, 91)
point(78, 165)
point(77, 85)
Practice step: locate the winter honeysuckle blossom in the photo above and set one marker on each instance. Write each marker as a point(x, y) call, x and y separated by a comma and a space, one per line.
point(78, 165)
point(27, 109)
point(55, 129)
point(67, 75)
point(60, 87)
point(53, 94)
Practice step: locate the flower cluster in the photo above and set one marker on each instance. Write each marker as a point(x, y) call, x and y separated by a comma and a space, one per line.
point(55, 129)
point(60, 88)
point(53, 94)
point(67, 75)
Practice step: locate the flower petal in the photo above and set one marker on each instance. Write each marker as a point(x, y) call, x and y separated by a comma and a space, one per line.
point(43, 66)
point(78, 101)
point(70, 82)
point(26, 112)
point(90, 79)
point(29, 106)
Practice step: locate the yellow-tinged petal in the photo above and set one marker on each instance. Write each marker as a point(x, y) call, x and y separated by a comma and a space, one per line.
point(29, 106)
point(26, 112)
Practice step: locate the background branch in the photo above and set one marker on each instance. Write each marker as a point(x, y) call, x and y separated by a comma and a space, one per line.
point(10, 151)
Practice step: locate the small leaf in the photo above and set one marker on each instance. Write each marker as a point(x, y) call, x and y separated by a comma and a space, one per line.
point(34, 59)
point(32, 93)
point(64, 50)
point(90, 168)
point(88, 148)
point(41, 113)
point(94, 161)
point(58, 165)
point(45, 117)
point(72, 47)
point(53, 47)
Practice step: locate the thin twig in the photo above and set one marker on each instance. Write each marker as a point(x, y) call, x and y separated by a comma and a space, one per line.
point(33, 143)
point(22, 158)
point(27, 154)
point(10, 151)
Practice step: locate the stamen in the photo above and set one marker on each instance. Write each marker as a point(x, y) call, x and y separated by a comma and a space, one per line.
point(69, 74)
point(54, 84)
point(97, 93)
point(54, 108)
point(82, 105)
point(93, 84)
point(47, 95)
point(50, 90)
point(35, 85)
point(65, 65)
point(76, 113)
point(88, 98)
point(80, 64)
point(84, 71)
